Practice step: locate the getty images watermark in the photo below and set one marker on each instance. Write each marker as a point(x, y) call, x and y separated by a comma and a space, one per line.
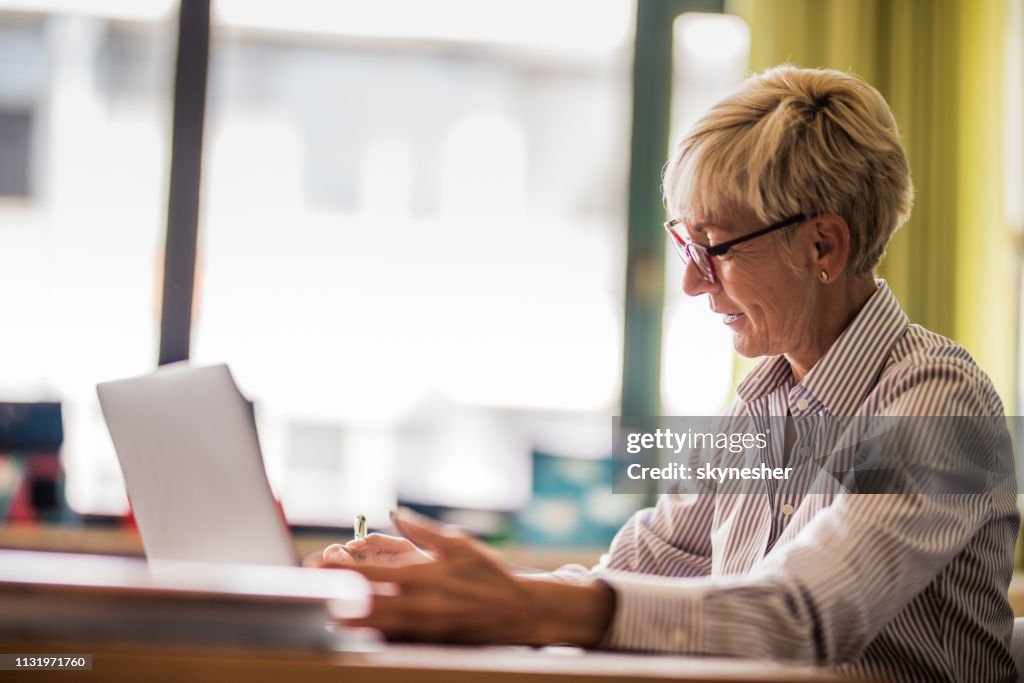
point(814, 454)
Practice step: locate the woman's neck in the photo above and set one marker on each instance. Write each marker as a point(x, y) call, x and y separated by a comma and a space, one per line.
point(838, 306)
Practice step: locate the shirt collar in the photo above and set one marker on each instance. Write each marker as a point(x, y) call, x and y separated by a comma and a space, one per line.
point(841, 378)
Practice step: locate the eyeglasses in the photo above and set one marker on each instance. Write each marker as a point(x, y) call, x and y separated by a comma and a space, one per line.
point(701, 256)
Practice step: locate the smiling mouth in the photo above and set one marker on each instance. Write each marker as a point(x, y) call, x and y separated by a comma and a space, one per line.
point(732, 317)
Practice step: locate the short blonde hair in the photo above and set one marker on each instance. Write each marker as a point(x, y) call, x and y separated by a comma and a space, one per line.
point(792, 141)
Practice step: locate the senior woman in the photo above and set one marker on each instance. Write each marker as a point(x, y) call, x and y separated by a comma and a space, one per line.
point(784, 196)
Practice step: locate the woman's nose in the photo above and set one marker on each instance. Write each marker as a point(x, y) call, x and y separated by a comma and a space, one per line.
point(694, 283)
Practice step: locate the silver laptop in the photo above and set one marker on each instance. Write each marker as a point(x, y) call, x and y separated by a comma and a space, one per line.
point(187, 444)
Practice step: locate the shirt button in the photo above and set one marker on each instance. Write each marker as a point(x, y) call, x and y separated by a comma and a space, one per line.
point(679, 636)
point(805, 451)
point(787, 509)
point(801, 404)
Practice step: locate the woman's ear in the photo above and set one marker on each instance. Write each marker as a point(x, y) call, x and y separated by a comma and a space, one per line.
point(831, 245)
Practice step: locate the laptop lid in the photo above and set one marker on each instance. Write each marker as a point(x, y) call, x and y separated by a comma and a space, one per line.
point(187, 444)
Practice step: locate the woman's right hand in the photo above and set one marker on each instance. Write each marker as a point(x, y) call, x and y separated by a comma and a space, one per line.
point(379, 550)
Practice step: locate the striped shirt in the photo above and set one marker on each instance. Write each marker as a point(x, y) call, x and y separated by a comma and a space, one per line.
point(904, 587)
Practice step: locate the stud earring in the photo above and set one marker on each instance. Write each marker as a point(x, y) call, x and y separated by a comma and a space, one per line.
point(824, 276)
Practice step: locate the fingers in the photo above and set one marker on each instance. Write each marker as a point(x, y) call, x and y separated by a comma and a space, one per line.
point(468, 577)
point(431, 617)
point(463, 596)
point(336, 556)
point(405, 619)
point(444, 539)
point(376, 549)
point(378, 544)
point(410, 579)
point(425, 532)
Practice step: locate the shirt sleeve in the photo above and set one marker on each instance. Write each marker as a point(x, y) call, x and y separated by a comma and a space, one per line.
point(823, 596)
point(671, 539)
point(820, 599)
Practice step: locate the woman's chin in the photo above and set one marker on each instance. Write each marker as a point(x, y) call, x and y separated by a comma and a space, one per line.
point(744, 346)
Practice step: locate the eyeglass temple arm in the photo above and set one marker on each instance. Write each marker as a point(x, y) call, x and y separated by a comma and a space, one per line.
point(720, 249)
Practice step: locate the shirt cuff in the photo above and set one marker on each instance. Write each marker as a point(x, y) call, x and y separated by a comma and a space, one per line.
point(572, 573)
point(655, 613)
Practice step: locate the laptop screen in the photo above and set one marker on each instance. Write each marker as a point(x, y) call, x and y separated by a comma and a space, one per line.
point(192, 466)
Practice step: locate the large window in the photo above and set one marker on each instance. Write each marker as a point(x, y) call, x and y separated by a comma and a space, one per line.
point(412, 239)
point(412, 245)
point(84, 131)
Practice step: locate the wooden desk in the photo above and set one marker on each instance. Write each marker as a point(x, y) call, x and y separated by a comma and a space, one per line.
point(387, 664)
point(401, 664)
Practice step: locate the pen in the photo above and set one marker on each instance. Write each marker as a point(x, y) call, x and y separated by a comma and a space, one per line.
point(359, 527)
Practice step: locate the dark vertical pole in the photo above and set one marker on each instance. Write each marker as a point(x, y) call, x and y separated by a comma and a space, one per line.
point(183, 197)
point(645, 259)
point(645, 271)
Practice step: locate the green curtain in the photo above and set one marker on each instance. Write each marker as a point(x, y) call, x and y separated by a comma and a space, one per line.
point(939, 63)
